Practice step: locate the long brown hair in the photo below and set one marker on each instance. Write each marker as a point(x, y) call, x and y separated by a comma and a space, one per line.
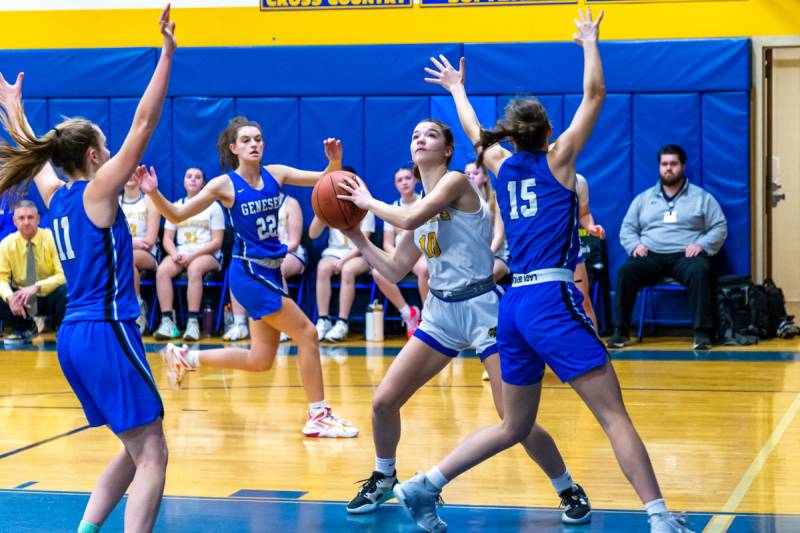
point(65, 145)
point(228, 159)
point(524, 121)
point(448, 139)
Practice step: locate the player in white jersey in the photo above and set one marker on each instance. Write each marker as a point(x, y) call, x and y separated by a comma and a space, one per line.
point(477, 174)
point(143, 221)
point(193, 246)
point(406, 184)
point(452, 227)
point(290, 231)
point(341, 258)
point(595, 230)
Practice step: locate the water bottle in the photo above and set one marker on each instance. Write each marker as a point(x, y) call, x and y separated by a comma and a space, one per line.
point(373, 330)
point(208, 320)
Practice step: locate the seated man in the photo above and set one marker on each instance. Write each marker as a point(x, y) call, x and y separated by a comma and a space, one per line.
point(32, 282)
point(670, 230)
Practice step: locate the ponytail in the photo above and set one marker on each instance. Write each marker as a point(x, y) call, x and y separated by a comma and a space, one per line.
point(524, 121)
point(20, 163)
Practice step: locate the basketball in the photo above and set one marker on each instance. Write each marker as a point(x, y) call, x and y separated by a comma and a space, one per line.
point(335, 213)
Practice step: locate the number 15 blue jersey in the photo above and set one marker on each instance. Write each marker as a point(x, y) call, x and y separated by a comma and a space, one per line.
point(540, 214)
point(97, 262)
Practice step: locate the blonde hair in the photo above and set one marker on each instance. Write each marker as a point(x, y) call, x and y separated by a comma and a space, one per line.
point(65, 145)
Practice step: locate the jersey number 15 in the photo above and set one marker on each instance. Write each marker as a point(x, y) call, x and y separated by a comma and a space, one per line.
point(526, 195)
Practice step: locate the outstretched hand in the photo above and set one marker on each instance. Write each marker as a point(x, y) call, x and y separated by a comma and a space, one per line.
point(168, 31)
point(446, 76)
point(147, 181)
point(588, 30)
point(333, 149)
point(10, 95)
point(356, 191)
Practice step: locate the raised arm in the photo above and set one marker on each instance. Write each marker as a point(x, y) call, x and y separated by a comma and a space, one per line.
point(17, 125)
point(219, 188)
point(566, 149)
point(453, 189)
point(100, 198)
point(393, 266)
point(286, 175)
point(453, 81)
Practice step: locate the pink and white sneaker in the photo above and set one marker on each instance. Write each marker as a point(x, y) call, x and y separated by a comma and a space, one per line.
point(325, 424)
point(414, 318)
point(177, 366)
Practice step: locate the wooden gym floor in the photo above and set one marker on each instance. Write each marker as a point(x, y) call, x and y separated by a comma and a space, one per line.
point(721, 427)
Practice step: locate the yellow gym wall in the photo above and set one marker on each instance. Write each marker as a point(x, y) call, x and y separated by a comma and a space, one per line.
point(242, 26)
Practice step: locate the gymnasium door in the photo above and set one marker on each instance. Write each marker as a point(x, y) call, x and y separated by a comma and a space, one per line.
point(782, 78)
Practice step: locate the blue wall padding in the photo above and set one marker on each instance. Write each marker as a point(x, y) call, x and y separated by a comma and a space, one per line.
point(442, 108)
point(726, 168)
point(197, 122)
point(660, 119)
point(81, 73)
point(607, 167)
point(320, 118)
point(311, 71)
point(388, 124)
point(691, 92)
point(94, 109)
point(122, 112)
point(630, 66)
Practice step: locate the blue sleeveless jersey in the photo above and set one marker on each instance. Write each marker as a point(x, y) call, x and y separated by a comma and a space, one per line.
point(254, 216)
point(98, 262)
point(540, 214)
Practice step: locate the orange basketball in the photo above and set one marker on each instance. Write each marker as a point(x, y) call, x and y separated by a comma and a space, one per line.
point(335, 213)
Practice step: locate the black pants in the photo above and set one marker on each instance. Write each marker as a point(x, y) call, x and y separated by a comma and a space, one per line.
point(694, 273)
point(53, 305)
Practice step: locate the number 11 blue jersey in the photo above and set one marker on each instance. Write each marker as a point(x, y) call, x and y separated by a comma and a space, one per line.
point(97, 262)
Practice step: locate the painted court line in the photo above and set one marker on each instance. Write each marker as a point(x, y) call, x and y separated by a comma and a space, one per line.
point(45, 441)
point(720, 524)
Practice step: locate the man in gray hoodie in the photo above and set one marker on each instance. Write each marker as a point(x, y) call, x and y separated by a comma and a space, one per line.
point(670, 230)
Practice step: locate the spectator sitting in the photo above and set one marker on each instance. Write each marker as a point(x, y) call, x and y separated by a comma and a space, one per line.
point(290, 232)
point(143, 221)
point(32, 281)
point(343, 259)
point(198, 251)
point(478, 176)
point(405, 182)
point(670, 230)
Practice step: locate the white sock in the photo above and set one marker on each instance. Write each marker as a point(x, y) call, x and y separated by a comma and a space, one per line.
point(562, 482)
point(655, 506)
point(193, 358)
point(316, 407)
point(435, 476)
point(405, 312)
point(386, 466)
point(240, 320)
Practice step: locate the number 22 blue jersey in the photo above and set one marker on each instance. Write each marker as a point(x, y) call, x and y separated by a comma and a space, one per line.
point(254, 215)
point(97, 262)
point(539, 213)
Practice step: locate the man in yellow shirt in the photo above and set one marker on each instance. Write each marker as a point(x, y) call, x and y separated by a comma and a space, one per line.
point(32, 281)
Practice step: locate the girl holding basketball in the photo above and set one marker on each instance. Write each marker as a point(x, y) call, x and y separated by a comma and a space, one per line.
point(452, 226)
point(541, 320)
point(251, 193)
point(99, 345)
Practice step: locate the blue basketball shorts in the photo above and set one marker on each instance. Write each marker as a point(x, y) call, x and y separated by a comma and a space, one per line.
point(105, 364)
point(544, 324)
point(259, 289)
